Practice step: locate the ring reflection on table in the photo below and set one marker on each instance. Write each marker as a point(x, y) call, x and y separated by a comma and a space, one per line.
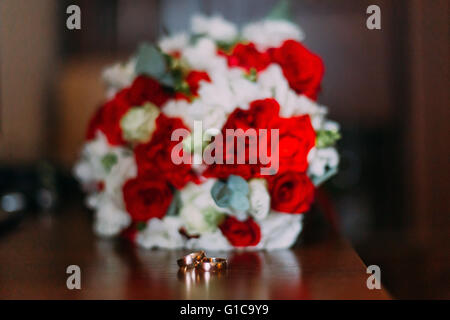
point(191, 260)
point(213, 264)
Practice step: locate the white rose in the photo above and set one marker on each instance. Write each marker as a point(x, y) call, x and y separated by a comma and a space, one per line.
point(271, 33)
point(139, 123)
point(280, 230)
point(259, 198)
point(161, 234)
point(216, 27)
point(199, 212)
point(321, 159)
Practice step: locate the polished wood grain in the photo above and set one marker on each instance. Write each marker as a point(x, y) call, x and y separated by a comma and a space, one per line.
point(34, 258)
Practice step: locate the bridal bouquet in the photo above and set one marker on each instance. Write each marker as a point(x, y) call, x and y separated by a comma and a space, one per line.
point(210, 140)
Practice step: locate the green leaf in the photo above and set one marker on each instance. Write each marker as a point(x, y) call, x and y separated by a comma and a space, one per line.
point(326, 138)
point(281, 11)
point(252, 75)
point(141, 225)
point(237, 184)
point(227, 46)
point(175, 205)
point(239, 202)
point(150, 61)
point(108, 161)
point(221, 194)
point(167, 80)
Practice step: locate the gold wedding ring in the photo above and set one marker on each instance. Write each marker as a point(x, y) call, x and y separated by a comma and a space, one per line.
point(212, 264)
point(191, 260)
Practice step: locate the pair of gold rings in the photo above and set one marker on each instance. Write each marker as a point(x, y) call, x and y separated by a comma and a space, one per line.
point(198, 260)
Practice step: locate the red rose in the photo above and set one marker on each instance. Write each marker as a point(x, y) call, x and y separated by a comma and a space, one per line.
point(296, 138)
point(107, 118)
point(262, 114)
point(291, 192)
point(145, 89)
point(302, 68)
point(223, 171)
point(248, 57)
point(241, 233)
point(155, 157)
point(193, 79)
point(147, 197)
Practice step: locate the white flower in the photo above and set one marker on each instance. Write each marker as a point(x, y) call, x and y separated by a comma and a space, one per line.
point(259, 198)
point(110, 218)
point(119, 76)
point(291, 103)
point(90, 168)
point(330, 125)
point(211, 116)
point(321, 159)
point(271, 33)
point(173, 43)
point(123, 170)
point(217, 94)
point(272, 79)
point(214, 241)
point(139, 123)
point(245, 91)
point(199, 212)
point(181, 109)
point(280, 230)
point(203, 56)
point(216, 27)
point(161, 234)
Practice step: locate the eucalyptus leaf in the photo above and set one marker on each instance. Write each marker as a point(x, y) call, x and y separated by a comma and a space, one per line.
point(167, 80)
point(281, 11)
point(221, 194)
point(238, 184)
point(239, 202)
point(175, 205)
point(150, 61)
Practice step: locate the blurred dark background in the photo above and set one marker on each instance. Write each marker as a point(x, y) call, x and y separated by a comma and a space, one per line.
point(388, 88)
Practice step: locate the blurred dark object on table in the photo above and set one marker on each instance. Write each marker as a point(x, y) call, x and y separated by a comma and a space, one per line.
point(32, 190)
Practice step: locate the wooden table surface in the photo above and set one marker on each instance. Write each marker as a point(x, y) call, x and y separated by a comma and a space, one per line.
point(34, 258)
